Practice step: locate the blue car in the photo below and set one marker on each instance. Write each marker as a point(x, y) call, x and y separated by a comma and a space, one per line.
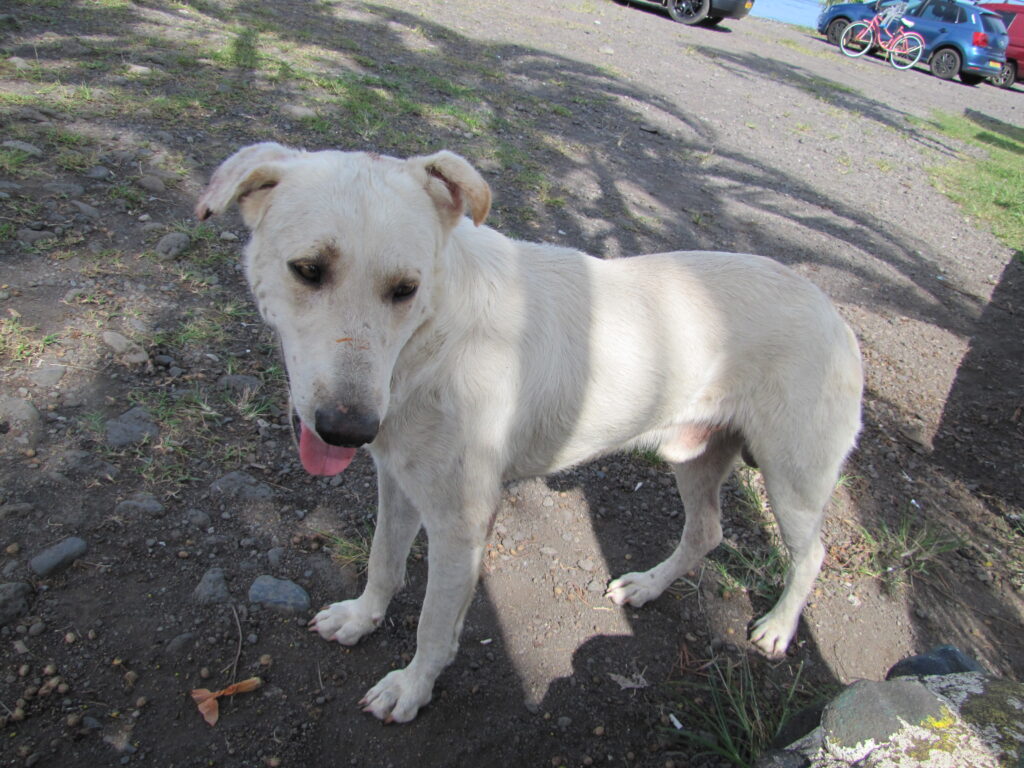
point(960, 38)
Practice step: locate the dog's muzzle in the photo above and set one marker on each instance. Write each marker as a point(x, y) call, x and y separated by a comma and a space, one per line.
point(345, 427)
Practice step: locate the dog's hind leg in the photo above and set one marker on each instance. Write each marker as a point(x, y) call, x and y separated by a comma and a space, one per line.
point(798, 500)
point(398, 522)
point(699, 481)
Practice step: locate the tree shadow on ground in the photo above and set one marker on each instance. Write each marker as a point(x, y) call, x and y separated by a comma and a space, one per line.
point(572, 157)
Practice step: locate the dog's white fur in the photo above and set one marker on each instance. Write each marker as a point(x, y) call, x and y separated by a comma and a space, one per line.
point(515, 359)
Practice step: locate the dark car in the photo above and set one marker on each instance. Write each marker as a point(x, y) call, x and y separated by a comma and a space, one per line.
point(960, 37)
point(708, 12)
point(1013, 17)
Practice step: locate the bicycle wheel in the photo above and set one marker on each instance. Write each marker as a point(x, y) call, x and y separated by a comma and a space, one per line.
point(857, 39)
point(906, 51)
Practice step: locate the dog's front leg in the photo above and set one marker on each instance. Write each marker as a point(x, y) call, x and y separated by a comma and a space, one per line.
point(456, 547)
point(398, 522)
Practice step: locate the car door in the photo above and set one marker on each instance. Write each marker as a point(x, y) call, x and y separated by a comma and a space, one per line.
point(935, 21)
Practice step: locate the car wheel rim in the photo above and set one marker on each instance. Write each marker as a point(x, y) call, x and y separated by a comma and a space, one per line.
point(945, 64)
point(686, 8)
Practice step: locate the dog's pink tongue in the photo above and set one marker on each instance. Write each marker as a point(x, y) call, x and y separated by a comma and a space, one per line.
point(319, 458)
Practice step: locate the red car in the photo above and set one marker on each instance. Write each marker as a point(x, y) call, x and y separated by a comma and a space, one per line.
point(1013, 18)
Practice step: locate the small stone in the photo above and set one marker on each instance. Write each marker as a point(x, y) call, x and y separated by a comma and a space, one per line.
point(14, 598)
point(23, 146)
point(265, 660)
point(198, 518)
point(297, 111)
point(279, 594)
point(941, 660)
point(24, 425)
point(172, 245)
point(131, 427)
point(204, 673)
point(129, 351)
point(242, 486)
point(228, 236)
point(47, 376)
point(98, 173)
point(141, 504)
point(180, 644)
point(33, 236)
point(69, 189)
point(152, 183)
point(70, 638)
point(86, 210)
point(239, 383)
point(56, 558)
point(274, 556)
point(212, 588)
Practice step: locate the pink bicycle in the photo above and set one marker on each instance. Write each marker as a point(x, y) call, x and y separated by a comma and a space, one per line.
point(905, 48)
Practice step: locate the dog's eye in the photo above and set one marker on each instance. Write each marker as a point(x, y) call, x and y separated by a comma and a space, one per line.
point(403, 291)
point(308, 271)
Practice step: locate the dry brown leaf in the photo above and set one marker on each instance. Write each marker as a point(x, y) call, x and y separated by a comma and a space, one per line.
point(207, 700)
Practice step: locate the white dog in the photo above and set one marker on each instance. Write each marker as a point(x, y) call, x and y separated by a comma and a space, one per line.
point(462, 358)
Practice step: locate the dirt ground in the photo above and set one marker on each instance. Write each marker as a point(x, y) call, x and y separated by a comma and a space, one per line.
point(599, 125)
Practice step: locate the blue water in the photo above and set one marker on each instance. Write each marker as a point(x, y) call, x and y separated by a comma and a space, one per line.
point(802, 12)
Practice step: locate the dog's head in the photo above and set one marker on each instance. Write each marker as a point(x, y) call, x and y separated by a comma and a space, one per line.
point(344, 261)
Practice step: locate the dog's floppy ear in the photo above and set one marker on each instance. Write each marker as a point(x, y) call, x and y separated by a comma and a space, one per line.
point(246, 177)
point(454, 185)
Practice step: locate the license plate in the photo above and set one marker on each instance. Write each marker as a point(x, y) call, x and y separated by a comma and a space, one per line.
point(749, 5)
point(996, 64)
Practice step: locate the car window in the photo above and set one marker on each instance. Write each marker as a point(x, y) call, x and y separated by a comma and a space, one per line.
point(914, 9)
point(940, 11)
point(1008, 17)
point(992, 24)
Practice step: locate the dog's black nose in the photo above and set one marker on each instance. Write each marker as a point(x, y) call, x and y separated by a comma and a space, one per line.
point(350, 428)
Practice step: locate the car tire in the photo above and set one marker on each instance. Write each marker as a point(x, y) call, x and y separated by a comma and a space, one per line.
point(834, 30)
point(1007, 75)
point(689, 12)
point(945, 63)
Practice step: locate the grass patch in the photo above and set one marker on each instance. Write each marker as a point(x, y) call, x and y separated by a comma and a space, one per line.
point(352, 551)
point(893, 554)
point(728, 714)
point(897, 553)
point(17, 342)
point(12, 162)
point(754, 571)
point(989, 188)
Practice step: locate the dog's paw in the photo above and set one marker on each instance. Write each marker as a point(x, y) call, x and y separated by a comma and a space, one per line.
point(634, 588)
point(347, 622)
point(398, 696)
point(771, 635)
